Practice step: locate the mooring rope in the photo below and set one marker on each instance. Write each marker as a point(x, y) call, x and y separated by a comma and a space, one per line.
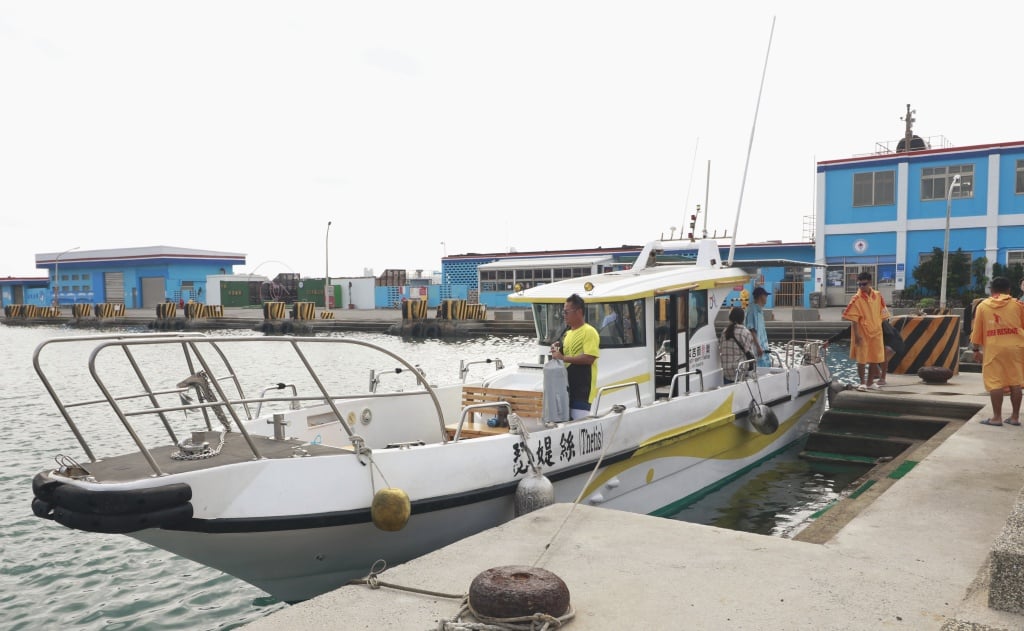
point(360, 449)
point(620, 409)
point(534, 622)
point(372, 581)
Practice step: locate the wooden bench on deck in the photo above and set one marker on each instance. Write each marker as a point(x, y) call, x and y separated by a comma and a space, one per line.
point(525, 403)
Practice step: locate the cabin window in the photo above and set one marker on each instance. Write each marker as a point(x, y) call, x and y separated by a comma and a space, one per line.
point(698, 310)
point(620, 324)
point(935, 181)
point(877, 188)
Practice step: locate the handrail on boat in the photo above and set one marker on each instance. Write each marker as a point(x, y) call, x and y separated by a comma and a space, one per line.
point(745, 370)
point(464, 366)
point(191, 344)
point(596, 405)
point(478, 406)
point(61, 407)
point(675, 379)
point(280, 386)
point(810, 351)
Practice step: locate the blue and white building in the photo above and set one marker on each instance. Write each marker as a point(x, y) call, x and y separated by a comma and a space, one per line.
point(490, 278)
point(885, 213)
point(136, 277)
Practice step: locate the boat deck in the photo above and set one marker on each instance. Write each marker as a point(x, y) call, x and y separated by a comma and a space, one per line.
point(133, 466)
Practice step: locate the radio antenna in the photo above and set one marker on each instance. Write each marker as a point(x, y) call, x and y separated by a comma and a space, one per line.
point(743, 183)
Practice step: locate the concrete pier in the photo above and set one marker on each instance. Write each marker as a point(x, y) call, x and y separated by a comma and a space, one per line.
point(783, 324)
point(930, 552)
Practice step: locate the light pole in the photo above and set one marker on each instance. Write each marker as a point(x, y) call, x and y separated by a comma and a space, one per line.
point(328, 294)
point(955, 183)
point(56, 275)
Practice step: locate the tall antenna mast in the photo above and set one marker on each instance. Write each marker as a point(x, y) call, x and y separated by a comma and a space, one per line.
point(764, 71)
point(707, 193)
point(908, 135)
point(693, 163)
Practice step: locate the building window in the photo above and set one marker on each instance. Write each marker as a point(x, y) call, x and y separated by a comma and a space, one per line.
point(1015, 257)
point(877, 188)
point(935, 181)
point(1020, 177)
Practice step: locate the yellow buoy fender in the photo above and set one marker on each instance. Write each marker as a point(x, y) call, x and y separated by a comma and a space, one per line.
point(390, 509)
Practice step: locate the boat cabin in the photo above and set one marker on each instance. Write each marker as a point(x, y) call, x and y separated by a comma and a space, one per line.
point(656, 322)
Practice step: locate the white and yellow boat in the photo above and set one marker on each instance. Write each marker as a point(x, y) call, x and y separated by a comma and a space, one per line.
point(302, 487)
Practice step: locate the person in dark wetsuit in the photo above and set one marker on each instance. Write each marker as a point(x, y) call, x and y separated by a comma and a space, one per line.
point(579, 349)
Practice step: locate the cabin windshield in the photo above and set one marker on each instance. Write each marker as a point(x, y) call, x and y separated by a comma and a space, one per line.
point(620, 324)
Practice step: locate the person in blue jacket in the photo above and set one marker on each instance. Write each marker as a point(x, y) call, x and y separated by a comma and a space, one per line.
point(755, 322)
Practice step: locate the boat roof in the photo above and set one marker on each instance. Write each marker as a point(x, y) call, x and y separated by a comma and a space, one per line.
point(645, 279)
point(551, 261)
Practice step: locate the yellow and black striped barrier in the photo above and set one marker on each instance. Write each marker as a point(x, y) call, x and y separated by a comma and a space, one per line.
point(927, 341)
point(214, 311)
point(476, 312)
point(31, 311)
point(14, 311)
point(273, 310)
point(326, 315)
point(452, 309)
point(111, 310)
point(304, 311)
point(164, 310)
point(414, 309)
point(81, 310)
point(195, 310)
point(49, 312)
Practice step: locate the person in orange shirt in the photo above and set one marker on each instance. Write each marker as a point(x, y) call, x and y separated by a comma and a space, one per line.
point(997, 334)
point(866, 311)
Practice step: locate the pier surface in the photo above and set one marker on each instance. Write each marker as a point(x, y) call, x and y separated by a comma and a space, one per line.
point(917, 556)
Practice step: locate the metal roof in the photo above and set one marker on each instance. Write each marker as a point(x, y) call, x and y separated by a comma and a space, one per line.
point(141, 253)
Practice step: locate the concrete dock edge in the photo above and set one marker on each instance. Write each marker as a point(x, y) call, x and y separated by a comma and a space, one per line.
point(920, 556)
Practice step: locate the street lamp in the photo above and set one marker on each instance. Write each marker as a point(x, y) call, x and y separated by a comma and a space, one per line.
point(327, 271)
point(56, 275)
point(955, 183)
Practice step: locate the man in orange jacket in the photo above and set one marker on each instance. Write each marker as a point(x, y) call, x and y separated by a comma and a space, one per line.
point(866, 311)
point(998, 334)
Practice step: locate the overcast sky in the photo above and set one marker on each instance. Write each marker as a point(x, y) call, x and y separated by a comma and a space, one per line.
point(431, 127)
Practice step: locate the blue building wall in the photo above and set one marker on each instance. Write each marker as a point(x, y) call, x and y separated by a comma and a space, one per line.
point(465, 270)
point(175, 273)
point(986, 219)
point(839, 186)
point(1010, 203)
point(959, 206)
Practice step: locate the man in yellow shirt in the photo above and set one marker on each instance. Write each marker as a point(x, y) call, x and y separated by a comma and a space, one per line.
point(579, 349)
point(998, 334)
point(866, 311)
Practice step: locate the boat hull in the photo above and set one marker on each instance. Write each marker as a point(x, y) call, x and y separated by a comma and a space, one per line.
point(659, 477)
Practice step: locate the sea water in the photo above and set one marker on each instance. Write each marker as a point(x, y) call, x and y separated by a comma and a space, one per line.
point(52, 577)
